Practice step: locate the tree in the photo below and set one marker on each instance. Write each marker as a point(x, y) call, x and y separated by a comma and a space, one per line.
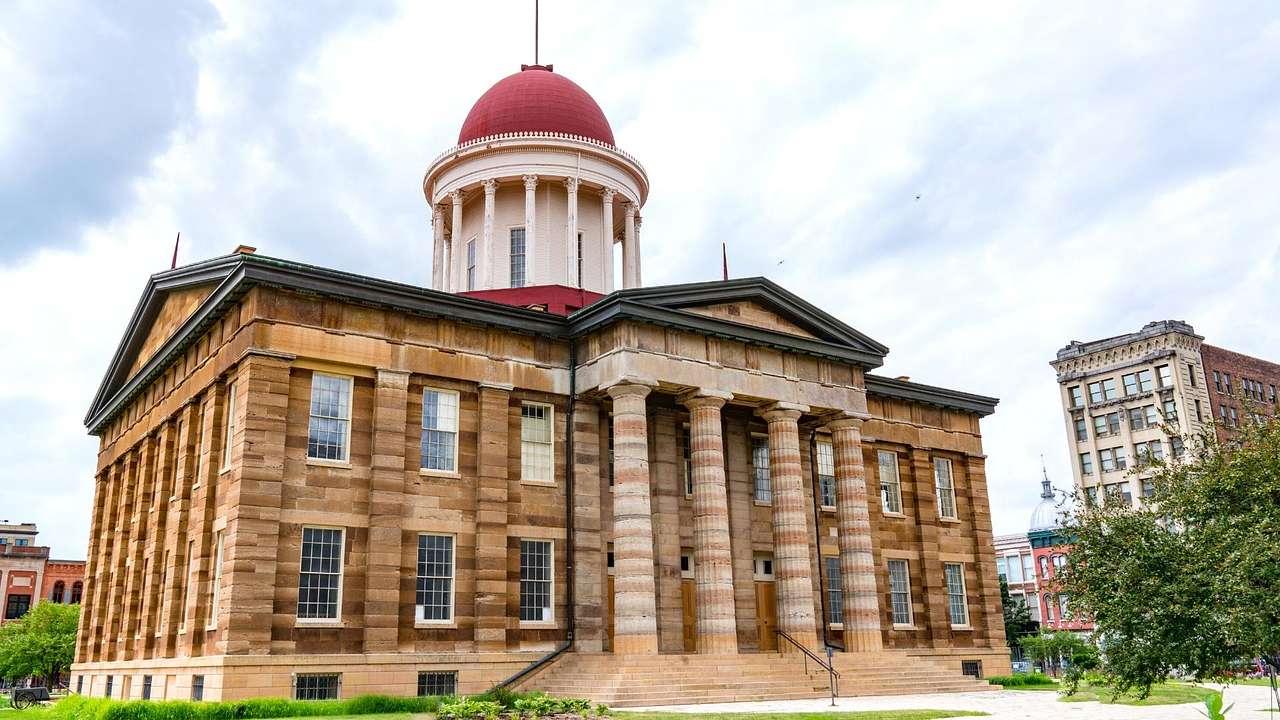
point(41, 644)
point(1191, 582)
point(1056, 650)
point(1017, 617)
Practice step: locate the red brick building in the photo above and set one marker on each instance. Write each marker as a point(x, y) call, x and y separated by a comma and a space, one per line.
point(1239, 386)
point(27, 575)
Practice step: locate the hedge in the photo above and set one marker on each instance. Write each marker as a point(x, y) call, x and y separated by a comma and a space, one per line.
point(1021, 680)
point(78, 707)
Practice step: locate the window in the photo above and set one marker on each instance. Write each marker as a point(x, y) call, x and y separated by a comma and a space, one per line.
point(197, 687)
point(1235, 420)
point(686, 565)
point(215, 584)
point(471, 264)
point(1028, 573)
point(1112, 459)
point(1086, 463)
point(1175, 443)
point(1191, 374)
point(1170, 411)
point(1199, 412)
point(59, 592)
point(890, 483)
point(1103, 390)
point(1149, 451)
point(231, 425)
point(1226, 381)
point(900, 592)
point(687, 451)
point(1082, 430)
point(1091, 495)
point(1048, 608)
point(1137, 419)
point(1077, 397)
point(826, 476)
point(1152, 415)
point(111, 681)
point(1015, 569)
point(1002, 569)
point(316, 686)
point(1165, 376)
point(1044, 567)
point(972, 668)
point(579, 256)
point(1130, 383)
point(435, 578)
point(945, 487)
point(1033, 604)
point(439, 430)
point(16, 606)
point(762, 567)
point(535, 443)
point(438, 683)
point(760, 468)
point(1062, 607)
point(1108, 424)
point(610, 443)
point(79, 684)
point(146, 687)
point(320, 579)
point(835, 594)
point(535, 580)
point(1115, 491)
point(517, 257)
point(330, 426)
point(1139, 382)
point(957, 603)
point(1148, 488)
point(77, 591)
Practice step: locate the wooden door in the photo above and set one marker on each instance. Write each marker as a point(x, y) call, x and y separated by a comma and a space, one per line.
point(767, 615)
point(687, 594)
point(608, 616)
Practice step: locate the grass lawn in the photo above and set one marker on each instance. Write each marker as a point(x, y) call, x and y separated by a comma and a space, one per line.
point(870, 715)
point(1260, 682)
point(1165, 694)
point(8, 713)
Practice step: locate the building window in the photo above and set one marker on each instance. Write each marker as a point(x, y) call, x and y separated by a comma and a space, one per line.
point(111, 681)
point(971, 668)
point(1116, 491)
point(230, 432)
point(215, 584)
point(16, 606)
point(197, 687)
point(1033, 604)
point(1015, 570)
point(1086, 463)
point(1226, 381)
point(1077, 397)
point(146, 687)
point(1063, 615)
point(535, 580)
point(1150, 451)
point(609, 441)
point(760, 468)
point(1165, 376)
point(1091, 495)
point(435, 578)
point(686, 565)
point(535, 443)
point(1175, 443)
point(957, 603)
point(77, 592)
point(900, 592)
point(890, 484)
point(1170, 411)
point(1002, 569)
point(1139, 382)
point(1199, 412)
point(79, 684)
point(517, 257)
point(1104, 425)
point(1112, 459)
point(835, 594)
point(579, 256)
point(59, 591)
point(438, 683)
point(320, 579)
point(330, 425)
point(439, 430)
point(1044, 567)
point(687, 451)
point(1191, 374)
point(1048, 608)
point(945, 487)
point(1235, 419)
point(1103, 390)
point(762, 567)
point(316, 686)
point(1082, 430)
point(826, 476)
point(471, 264)
point(1148, 488)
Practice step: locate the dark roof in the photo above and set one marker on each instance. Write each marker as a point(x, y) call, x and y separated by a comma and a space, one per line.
point(233, 275)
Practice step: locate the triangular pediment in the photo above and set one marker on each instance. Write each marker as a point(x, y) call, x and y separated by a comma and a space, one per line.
point(752, 313)
point(174, 308)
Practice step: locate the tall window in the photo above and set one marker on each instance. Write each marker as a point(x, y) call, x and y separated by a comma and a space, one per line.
point(826, 477)
point(835, 594)
point(945, 487)
point(1086, 463)
point(957, 603)
point(59, 591)
point(435, 578)
point(231, 426)
point(535, 443)
point(517, 257)
point(330, 426)
point(1165, 376)
point(1015, 570)
point(1191, 374)
point(1077, 397)
point(760, 468)
point(471, 264)
point(197, 687)
point(1082, 430)
point(535, 580)
point(77, 591)
point(316, 686)
point(1170, 411)
point(609, 442)
point(579, 256)
point(215, 584)
point(687, 451)
point(890, 484)
point(439, 430)
point(320, 579)
point(900, 592)
point(438, 683)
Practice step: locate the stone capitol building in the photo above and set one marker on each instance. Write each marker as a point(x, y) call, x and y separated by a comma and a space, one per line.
point(317, 484)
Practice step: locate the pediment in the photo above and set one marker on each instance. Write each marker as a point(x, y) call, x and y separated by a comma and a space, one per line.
point(752, 313)
point(174, 308)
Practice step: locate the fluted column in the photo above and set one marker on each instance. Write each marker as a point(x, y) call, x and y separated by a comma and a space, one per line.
point(571, 228)
point(455, 241)
point(629, 246)
point(606, 237)
point(530, 229)
point(712, 560)
point(635, 607)
point(490, 278)
point(857, 564)
point(791, 560)
point(636, 272)
point(437, 253)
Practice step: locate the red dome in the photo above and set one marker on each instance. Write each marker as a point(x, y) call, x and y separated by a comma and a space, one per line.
point(536, 100)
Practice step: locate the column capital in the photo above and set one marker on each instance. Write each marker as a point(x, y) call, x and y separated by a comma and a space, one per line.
point(607, 194)
point(704, 397)
point(845, 421)
point(630, 209)
point(530, 182)
point(456, 197)
point(631, 385)
point(639, 221)
point(571, 184)
point(781, 410)
point(490, 186)
point(392, 376)
point(437, 213)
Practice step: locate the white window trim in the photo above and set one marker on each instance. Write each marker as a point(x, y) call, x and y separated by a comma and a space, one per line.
point(342, 577)
point(229, 427)
point(910, 624)
point(215, 581)
point(817, 457)
point(951, 477)
point(550, 620)
point(755, 498)
point(687, 574)
point(964, 596)
point(418, 620)
point(897, 482)
point(345, 460)
point(758, 575)
point(551, 460)
point(457, 433)
point(827, 589)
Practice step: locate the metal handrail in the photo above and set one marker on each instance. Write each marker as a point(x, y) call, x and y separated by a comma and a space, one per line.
point(833, 675)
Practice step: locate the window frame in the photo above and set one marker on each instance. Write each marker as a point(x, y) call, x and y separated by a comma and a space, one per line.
point(906, 590)
point(550, 409)
point(1086, 463)
point(342, 573)
point(835, 591)
point(828, 480)
point(423, 682)
point(419, 609)
point(952, 595)
point(522, 279)
point(756, 471)
point(687, 458)
point(337, 685)
point(1076, 396)
point(457, 421)
point(550, 615)
point(346, 441)
point(950, 489)
point(896, 480)
point(470, 262)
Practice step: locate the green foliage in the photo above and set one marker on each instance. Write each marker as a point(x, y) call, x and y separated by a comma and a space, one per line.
point(1062, 649)
point(1213, 708)
point(1190, 581)
point(602, 710)
point(468, 709)
point(78, 707)
point(1017, 617)
point(503, 696)
point(1021, 680)
point(41, 644)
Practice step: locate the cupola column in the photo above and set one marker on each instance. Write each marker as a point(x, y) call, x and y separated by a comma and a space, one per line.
point(629, 246)
point(455, 241)
point(861, 608)
point(635, 252)
point(487, 262)
point(606, 238)
point(635, 618)
point(531, 230)
point(572, 261)
point(437, 254)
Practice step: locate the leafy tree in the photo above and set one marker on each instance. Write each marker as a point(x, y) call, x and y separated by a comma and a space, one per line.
point(41, 644)
point(1017, 617)
point(1056, 650)
point(1192, 581)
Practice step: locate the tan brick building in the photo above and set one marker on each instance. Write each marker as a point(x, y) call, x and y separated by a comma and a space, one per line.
point(315, 483)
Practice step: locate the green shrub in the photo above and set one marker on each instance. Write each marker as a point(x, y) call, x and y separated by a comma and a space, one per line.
point(78, 707)
point(1021, 680)
point(469, 709)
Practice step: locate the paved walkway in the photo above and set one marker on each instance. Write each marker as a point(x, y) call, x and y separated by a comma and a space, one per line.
point(1250, 704)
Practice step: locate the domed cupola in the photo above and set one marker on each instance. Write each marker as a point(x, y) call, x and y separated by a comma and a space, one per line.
point(536, 99)
point(1048, 514)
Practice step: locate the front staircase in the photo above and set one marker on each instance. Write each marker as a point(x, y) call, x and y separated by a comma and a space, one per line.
point(651, 680)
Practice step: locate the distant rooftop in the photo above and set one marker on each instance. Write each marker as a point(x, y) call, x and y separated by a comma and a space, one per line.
point(1076, 348)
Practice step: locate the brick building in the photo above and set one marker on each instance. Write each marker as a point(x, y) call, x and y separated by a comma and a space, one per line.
point(318, 484)
point(28, 575)
point(1239, 386)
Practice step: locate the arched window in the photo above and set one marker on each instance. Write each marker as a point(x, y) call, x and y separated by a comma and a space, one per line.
point(59, 591)
point(1059, 562)
point(1044, 567)
point(77, 589)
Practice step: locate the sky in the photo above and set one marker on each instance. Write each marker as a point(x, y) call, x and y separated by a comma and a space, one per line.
point(972, 184)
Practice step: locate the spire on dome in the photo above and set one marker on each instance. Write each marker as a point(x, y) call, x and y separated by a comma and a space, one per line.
point(1046, 488)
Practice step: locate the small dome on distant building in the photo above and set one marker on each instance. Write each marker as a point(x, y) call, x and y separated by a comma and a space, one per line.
point(1048, 513)
point(536, 100)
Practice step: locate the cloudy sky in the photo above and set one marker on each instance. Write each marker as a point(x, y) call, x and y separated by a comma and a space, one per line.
point(973, 184)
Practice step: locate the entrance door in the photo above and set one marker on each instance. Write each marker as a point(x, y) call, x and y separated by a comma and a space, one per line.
point(767, 615)
point(608, 610)
point(687, 594)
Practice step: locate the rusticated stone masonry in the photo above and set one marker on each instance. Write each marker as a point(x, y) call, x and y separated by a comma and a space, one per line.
point(857, 563)
point(635, 612)
point(712, 558)
point(790, 531)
